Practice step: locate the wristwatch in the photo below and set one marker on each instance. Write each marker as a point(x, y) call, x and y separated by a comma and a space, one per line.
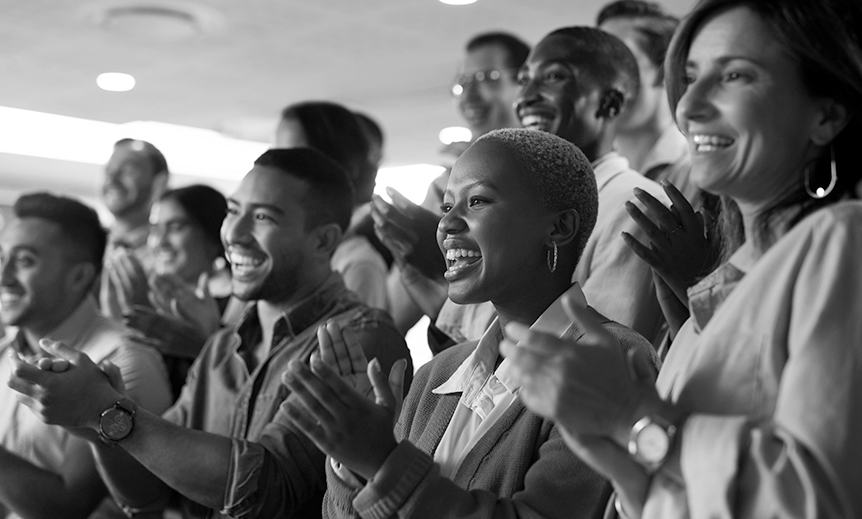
point(650, 441)
point(116, 422)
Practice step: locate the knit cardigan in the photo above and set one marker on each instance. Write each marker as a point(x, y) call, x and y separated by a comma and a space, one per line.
point(521, 468)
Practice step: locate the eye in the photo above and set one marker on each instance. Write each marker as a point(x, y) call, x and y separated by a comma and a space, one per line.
point(523, 79)
point(263, 217)
point(232, 211)
point(735, 76)
point(476, 201)
point(24, 261)
point(445, 208)
point(688, 79)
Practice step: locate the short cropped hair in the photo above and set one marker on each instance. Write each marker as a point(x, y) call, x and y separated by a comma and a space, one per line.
point(330, 195)
point(559, 171)
point(157, 160)
point(79, 224)
point(516, 49)
point(205, 206)
point(654, 27)
point(333, 130)
point(611, 63)
point(372, 129)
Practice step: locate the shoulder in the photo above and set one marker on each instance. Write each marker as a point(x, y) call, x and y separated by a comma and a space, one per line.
point(443, 365)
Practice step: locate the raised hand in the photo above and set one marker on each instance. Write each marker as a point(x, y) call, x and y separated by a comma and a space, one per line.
point(194, 305)
point(584, 385)
point(72, 398)
point(168, 334)
point(410, 233)
point(345, 358)
point(341, 421)
point(129, 280)
point(679, 250)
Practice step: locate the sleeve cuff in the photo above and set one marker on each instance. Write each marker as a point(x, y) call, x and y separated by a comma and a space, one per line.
point(394, 483)
point(709, 460)
point(246, 463)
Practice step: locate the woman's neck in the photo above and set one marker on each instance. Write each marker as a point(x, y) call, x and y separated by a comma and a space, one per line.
point(532, 303)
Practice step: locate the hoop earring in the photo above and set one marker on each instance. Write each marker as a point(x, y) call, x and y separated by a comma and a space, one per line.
point(820, 193)
point(552, 264)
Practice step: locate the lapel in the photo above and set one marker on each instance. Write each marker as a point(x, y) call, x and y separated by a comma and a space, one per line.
point(483, 447)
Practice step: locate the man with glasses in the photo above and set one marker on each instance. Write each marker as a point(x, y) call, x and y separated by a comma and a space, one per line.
point(485, 91)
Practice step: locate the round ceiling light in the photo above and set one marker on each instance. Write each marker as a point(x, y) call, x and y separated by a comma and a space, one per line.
point(158, 21)
point(115, 81)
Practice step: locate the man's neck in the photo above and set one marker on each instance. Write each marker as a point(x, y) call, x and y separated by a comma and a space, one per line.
point(637, 143)
point(129, 222)
point(270, 311)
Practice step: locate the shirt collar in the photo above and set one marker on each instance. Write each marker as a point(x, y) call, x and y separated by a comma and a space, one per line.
point(705, 296)
point(609, 166)
point(70, 331)
point(297, 318)
point(132, 239)
point(479, 366)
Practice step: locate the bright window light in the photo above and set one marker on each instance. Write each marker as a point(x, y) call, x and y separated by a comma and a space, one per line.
point(411, 181)
point(115, 82)
point(458, 2)
point(455, 134)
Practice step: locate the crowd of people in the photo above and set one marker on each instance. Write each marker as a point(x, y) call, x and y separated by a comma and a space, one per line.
point(640, 279)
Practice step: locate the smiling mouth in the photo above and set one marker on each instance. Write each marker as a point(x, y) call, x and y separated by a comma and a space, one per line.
point(537, 122)
point(474, 113)
point(243, 264)
point(457, 259)
point(704, 143)
point(9, 297)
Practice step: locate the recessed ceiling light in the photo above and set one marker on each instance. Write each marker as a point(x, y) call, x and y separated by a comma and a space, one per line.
point(455, 134)
point(115, 82)
point(458, 2)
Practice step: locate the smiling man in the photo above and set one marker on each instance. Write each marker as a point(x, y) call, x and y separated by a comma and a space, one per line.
point(221, 446)
point(51, 254)
point(577, 83)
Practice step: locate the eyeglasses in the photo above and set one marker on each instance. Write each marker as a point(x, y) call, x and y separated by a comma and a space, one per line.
point(488, 77)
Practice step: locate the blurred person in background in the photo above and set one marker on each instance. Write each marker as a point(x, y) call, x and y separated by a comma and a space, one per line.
point(485, 90)
point(51, 255)
point(179, 305)
point(135, 176)
point(337, 133)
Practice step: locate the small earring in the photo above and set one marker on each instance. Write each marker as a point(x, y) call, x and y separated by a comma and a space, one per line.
point(820, 192)
point(552, 264)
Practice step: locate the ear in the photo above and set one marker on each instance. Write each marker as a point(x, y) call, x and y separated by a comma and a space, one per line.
point(80, 277)
point(160, 184)
point(566, 227)
point(611, 104)
point(326, 238)
point(833, 118)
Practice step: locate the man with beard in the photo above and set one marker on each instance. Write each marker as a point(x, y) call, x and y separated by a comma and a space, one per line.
point(135, 176)
point(51, 255)
point(221, 447)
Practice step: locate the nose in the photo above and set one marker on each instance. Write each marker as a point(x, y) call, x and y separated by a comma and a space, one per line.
point(236, 229)
point(696, 103)
point(471, 90)
point(451, 222)
point(7, 272)
point(528, 94)
point(158, 236)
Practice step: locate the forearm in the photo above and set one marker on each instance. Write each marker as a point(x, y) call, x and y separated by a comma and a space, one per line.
point(194, 463)
point(129, 482)
point(33, 492)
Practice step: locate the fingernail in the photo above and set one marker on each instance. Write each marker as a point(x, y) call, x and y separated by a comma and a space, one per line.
point(637, 191)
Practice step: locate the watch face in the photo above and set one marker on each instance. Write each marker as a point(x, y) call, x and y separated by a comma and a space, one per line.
point(653, 443)
point(116, 424)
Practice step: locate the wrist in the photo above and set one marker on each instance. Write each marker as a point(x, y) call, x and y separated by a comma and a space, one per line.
point(381, 454)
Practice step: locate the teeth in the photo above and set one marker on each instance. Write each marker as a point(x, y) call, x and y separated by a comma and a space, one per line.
point(536, 122)
point(241, 260)
point(8, 297)
point(712, 140)
point(454, 254)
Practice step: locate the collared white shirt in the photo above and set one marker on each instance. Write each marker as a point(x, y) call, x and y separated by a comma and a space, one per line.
point(487, 392)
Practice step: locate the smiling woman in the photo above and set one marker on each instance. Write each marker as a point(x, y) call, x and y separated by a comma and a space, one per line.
point(518, 210)
point(755, 412)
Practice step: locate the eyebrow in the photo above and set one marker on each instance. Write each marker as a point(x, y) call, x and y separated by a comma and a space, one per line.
point(269, 207)
point(471, 185)
point(724, 60)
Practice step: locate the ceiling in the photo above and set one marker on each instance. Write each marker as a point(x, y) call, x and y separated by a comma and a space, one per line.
point(231, 65)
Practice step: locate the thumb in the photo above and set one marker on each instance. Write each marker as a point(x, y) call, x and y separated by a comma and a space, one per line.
point(114, 375)
point(203, 288)
point(382, 392)
point(641, 368)
point(398, 200)
point(396, 378)
point(60, 350)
